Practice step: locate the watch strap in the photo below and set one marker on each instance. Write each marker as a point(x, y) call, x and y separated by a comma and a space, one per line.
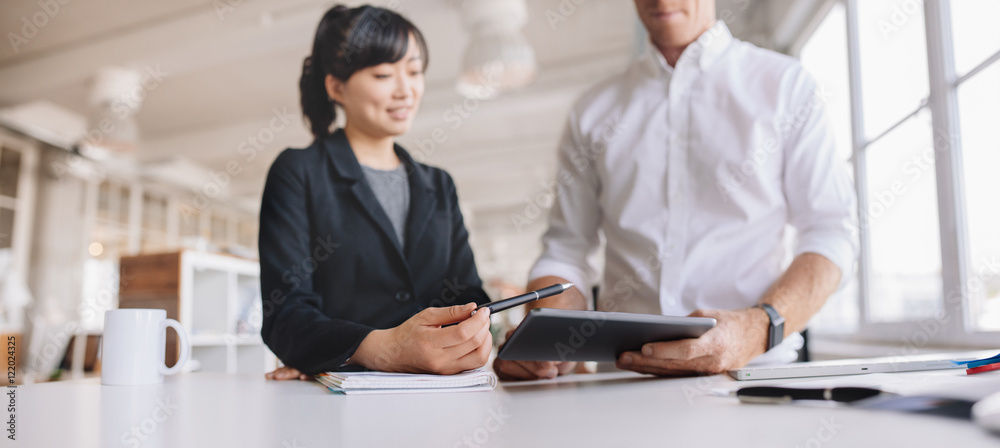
point(776, 330)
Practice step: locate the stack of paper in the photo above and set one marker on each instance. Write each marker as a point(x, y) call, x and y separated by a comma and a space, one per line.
point(400, 383)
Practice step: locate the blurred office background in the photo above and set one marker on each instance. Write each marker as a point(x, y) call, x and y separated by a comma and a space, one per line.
point(135, 137)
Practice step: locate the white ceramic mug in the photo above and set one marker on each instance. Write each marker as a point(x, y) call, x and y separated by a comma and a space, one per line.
point(134, 345)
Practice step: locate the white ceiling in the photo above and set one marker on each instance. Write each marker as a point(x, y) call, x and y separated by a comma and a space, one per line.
point(228, 71)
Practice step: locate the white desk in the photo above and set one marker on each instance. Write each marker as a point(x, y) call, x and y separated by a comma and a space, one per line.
point(600, 410)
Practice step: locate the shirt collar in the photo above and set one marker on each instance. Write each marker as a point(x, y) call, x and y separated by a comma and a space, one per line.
point(707, 49)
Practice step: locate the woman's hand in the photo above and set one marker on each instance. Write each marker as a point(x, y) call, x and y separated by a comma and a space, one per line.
point(287, 373)
point(423, 345)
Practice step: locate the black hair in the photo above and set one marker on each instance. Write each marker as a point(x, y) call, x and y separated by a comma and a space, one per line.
point(348, 40)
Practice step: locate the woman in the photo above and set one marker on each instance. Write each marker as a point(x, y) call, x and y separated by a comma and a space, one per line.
point(361, 247)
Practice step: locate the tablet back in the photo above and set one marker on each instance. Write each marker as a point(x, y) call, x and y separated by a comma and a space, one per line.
point(550, 334)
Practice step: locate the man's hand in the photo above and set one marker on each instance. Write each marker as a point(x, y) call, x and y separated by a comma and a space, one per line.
point(738, 337)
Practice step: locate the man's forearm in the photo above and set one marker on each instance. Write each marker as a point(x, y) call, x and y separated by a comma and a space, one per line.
point(571, 299)
point(802, 290)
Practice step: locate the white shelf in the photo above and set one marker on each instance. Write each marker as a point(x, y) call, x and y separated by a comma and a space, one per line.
point(220, 306)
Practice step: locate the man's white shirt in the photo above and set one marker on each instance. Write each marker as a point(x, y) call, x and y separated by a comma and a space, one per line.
point(692, 174)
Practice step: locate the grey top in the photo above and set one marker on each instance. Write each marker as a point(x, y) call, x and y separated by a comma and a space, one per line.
point(392, 190)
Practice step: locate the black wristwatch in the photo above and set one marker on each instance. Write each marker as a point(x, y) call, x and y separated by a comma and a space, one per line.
point(776, 331)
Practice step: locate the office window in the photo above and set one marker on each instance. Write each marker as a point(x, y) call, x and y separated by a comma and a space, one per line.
point(219, 228)
point(248, 233)
point(979, 110)
point(893, 62)
point(902, 221)
point(6, 228)
point(901, 216)
point(189, 222)
point(110, 230)
point(976, 32)
point(905, 278)
point(154, 223)
point(10, 167)
point(825, 56)
point(10, 175)
point(899, 150)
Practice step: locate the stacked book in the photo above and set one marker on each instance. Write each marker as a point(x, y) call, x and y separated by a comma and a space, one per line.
point(374, 382)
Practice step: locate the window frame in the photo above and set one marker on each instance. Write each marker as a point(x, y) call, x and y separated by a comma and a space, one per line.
point(24, 204)
point(953, 326)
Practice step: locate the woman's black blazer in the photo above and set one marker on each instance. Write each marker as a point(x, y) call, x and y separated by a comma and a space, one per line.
point(331, 267)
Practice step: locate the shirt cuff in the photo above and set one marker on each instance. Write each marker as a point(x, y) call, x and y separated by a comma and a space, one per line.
point(836, 247)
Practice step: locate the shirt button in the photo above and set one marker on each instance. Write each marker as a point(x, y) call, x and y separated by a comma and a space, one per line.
point(402, 296)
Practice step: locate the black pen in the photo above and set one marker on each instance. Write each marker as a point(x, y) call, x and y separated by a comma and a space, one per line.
point(769, 394)
point(531, 296)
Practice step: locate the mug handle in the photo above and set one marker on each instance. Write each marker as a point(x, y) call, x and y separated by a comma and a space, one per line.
point(185, 347)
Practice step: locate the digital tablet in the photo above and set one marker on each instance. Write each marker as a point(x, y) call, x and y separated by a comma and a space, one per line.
point(550, 334)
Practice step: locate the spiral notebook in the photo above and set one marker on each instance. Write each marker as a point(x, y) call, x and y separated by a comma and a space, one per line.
point(374, 382)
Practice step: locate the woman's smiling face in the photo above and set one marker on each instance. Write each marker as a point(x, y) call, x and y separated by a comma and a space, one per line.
point(381, 100)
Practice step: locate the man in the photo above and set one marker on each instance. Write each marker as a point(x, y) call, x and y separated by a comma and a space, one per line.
point(691, 163)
